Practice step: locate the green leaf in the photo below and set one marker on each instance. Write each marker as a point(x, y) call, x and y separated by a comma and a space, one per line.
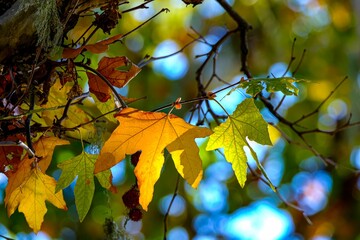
point(284, 85)
point(245, 123)
point(82, 166)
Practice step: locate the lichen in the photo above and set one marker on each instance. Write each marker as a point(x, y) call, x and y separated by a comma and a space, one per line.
point(47, 22)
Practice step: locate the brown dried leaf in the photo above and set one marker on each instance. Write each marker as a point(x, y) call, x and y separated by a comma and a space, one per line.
point(98, 47)
point(108, 67)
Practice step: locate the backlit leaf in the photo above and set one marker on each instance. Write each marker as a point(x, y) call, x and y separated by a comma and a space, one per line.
point(44, 149)
point(110, 68)
point(30, 198)
point(75, 115)
point(152, 132)
point(98, 47)
point(83, 167)
point(284, 85)
point(246, 123)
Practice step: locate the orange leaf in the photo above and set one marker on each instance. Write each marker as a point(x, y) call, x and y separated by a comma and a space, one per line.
point(152, 133)
point(30, 198)
point(44, 149)
point(29, 187)
point(98, 47)
point(108, 67)
point(72, 52)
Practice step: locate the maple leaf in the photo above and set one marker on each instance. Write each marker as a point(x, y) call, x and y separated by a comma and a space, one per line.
point(99, 47)
point(44, 149)
point(82, 166)
point(30, 198)
point(55, 109)
point(152, 132)
point(110, 68)
point(245, 122)
point(283, 84)
point(25, 184)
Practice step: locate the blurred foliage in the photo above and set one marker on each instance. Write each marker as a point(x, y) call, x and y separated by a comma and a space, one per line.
point(329, 30)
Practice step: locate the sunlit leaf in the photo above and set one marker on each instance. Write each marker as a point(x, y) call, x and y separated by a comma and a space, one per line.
point(44, 149)
point(152, 133)
point(75, 115)
point(111, 69)
point(30, 198)
point(28, 187)
point(246, 123)
point(82, 166)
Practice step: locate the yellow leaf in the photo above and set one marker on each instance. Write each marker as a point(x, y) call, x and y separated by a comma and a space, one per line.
point(185, 154)
point(29, 187)
point(152, 133)
point(44, 149)
point(245, 123)
point(75, 115)
point(30, 198)
point(274, 134)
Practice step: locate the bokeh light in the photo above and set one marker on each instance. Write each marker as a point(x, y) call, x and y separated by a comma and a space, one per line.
point(337, 109)
point(177, 208)
point(210, 9)
point(311, 190)
point(260, 220)
point(178, 233)
point(174, 67)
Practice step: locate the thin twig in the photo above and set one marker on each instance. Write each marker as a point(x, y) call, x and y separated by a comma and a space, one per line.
point(292, 58)
point(170, 205)
point(28, 118)
point(142, 24)
point(180, 102)
point(18, 143)
point(243, 27)
point(104, 79)
point(141, 6)
point(67, 107)
point(300, 62)
point(252, 171)
point(149, 59)
point(316, 110)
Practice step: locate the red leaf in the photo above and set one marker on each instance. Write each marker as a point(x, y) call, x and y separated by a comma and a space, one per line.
point(99, 87)
point(10, 156)
point(108, 67)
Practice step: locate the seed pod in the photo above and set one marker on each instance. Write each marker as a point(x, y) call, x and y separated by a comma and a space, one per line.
point(135, 214)
point(135, 158)
point(131, 198)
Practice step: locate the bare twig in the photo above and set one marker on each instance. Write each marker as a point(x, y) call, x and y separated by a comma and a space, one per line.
point(292, 58)
point(316, 110)
point(67, 107)
point(254, 173)
point(104, 79)
point(18, 143)
point(142, 24)
point(243, 27)
point(141, 6)
point(28, 119)
point(149, 59)
point(170, 205)
point(300, 62)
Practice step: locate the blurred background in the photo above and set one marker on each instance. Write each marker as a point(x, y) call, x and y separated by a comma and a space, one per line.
point(329, 30)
